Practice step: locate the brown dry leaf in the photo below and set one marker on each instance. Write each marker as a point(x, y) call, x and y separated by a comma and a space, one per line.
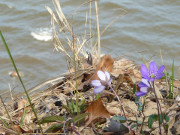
point(151, 108)
point(130, 107)
point(86, 131)
point(18, 129)
point(106, 64)
point(28, 117)
point(21, 104)
point(96, 109)
point(2, 132)
point(120, 66)
point(114, 108)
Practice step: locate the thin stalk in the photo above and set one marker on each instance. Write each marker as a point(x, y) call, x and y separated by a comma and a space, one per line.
point(14, 65)
point(98, 31)
point(157, 109)
point(98, 96)
point(23, 116)
point(121, 108)
point(90, 23)
point(143, 114)
point(171, 90)
point(75, 72)
point(6, 111)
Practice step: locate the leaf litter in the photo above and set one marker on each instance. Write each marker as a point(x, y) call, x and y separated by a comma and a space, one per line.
point(94, 115)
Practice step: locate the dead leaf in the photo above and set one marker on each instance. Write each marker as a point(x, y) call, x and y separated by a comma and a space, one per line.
point(120, 66)
point(151, 108)
point(105, 64)
point(96, 110)
point(21, 104)
point(2, 132)
point(19, 130)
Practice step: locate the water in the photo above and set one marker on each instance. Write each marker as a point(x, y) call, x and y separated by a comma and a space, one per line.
point(149, 26)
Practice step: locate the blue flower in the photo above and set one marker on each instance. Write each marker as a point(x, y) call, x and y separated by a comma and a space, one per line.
point(101, 84)
point(144, 87)
point(153, 72)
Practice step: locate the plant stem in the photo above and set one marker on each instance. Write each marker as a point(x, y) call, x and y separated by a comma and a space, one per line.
point(162, 117)
point(75, 71)
point(157, 109)
point(143, 114)
point(6, 111)
point(121, 107)
point(98, 30)
point(14, 65)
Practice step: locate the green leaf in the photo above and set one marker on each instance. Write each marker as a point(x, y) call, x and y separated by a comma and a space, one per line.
point(54, 128)
point(133, 126)
point(156, 117)
point(98, 96)
point(151, 121)
point(139, 122)
point(81, 102)
point(79, 117)
point(166, 118)
point(49, 119)
point(120, 118)
point(134, 88)
point(166, 126)
point(139, 108)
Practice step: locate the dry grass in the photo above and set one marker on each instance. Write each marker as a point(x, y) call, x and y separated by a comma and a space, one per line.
point(72, 43)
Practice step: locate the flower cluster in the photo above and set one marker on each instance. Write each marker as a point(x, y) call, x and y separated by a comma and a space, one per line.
point(149, 76)
point(100, 85)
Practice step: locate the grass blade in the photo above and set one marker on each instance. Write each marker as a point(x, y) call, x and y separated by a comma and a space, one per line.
point(6, 111)
point(23, 116)
point(4, 122)
point(14, 65)
point(171, 88)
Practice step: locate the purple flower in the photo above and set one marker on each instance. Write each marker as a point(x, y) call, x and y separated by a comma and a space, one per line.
point(153, 72)
point(101, 84)
point(144, 87)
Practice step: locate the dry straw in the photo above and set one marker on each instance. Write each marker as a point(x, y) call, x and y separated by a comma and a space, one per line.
point(61, 26)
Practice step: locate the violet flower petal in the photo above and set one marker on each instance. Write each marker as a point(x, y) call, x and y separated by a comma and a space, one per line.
point(99, 89)
point(141, 84)
point(139, 94)
point(159, 76)
point(96, 83)
point(152, 68)
point(145, 81)
point(144, 71)
point(107, 75)
point(160, 72)
point(101, 75)
point(109, 82)
point(144, 89)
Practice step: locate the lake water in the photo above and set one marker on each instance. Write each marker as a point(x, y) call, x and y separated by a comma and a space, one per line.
point(148, 26)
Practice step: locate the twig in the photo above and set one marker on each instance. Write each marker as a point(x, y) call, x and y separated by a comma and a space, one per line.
point(121, 108)
point(158, 108)
point(158, 103)
point(6, 111)
point(98, 31)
